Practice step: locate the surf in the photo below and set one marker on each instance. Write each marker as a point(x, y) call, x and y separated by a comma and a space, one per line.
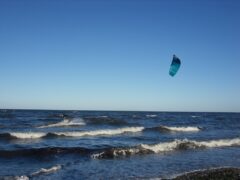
point(165, 147)
point(102, 132)
point(176, 129)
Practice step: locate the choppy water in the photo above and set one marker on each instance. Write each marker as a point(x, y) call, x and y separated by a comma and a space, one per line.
point(115, 145)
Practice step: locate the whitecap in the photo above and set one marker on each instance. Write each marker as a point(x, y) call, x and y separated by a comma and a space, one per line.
point(101, 132)
point(183, 129)
point(151, 115)
point(28, 135)
point(166, 147)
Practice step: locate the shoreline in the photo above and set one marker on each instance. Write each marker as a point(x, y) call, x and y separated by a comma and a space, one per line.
point(213, 174)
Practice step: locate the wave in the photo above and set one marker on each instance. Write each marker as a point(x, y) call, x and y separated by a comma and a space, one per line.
point(99, 120)
point(101, 132)
point(47, 171)
point(66, 122)
point(43, 152)
point(27, 135)
point(37, 135)
point(165, 147)
point(177, 129)
point(114, 152)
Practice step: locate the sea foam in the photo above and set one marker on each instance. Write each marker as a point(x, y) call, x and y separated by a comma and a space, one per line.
point(101, 132)
point(190, 144)
point(182, 129)
point(166, 147)
point(28, 135)
point(36, 135)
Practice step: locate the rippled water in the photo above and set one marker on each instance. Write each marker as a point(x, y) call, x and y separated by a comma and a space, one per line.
point(116, 145)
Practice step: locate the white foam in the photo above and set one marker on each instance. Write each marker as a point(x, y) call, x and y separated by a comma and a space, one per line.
point(161, 147)
point(66, 122)
point(170, 146)
point(118, 152)
point(47, 171)
point(36, 135)
point(97, 155)
point(221, 143)
point(183, 129)
point(151, 115)
point(21, 177)
point(28, 135)
point(101, 132)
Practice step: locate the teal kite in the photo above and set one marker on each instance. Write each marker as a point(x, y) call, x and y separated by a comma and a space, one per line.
point(174, 66)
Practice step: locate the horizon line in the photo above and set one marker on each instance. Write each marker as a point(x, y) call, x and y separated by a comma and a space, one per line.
point(29, 109)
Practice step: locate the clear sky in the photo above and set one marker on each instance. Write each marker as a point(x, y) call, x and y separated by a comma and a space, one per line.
point(115, 54)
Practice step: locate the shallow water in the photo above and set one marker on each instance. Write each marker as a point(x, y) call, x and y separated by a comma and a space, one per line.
point(117, 145)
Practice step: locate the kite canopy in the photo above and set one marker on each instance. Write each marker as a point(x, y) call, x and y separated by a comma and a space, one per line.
point(174, 66)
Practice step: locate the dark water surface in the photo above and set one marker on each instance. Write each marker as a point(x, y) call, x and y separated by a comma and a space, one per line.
point(115, 145)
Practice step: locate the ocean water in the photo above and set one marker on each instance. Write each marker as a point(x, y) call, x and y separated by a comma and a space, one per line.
point(115, 145)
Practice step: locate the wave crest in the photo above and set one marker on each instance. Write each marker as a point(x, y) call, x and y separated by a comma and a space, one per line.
point(166, 147)
point(177, 129)
point(28, 135)
point(37, 135)
point(101, 132)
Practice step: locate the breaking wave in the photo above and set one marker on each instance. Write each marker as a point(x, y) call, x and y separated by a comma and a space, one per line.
point(114, 152)
point(37, 135)
point(166, 147)
point(27, 135)
point(177, 129)
point(66, 122)
point(101, 132)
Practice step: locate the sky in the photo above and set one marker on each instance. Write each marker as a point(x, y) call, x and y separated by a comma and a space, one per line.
point(116, 54)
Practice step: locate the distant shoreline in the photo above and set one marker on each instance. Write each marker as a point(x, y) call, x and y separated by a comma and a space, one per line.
point(213, 174)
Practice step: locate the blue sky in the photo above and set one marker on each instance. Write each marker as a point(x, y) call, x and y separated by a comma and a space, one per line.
point(115, 55)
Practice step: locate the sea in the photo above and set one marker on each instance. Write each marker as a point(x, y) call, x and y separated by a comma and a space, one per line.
point(46, 144)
